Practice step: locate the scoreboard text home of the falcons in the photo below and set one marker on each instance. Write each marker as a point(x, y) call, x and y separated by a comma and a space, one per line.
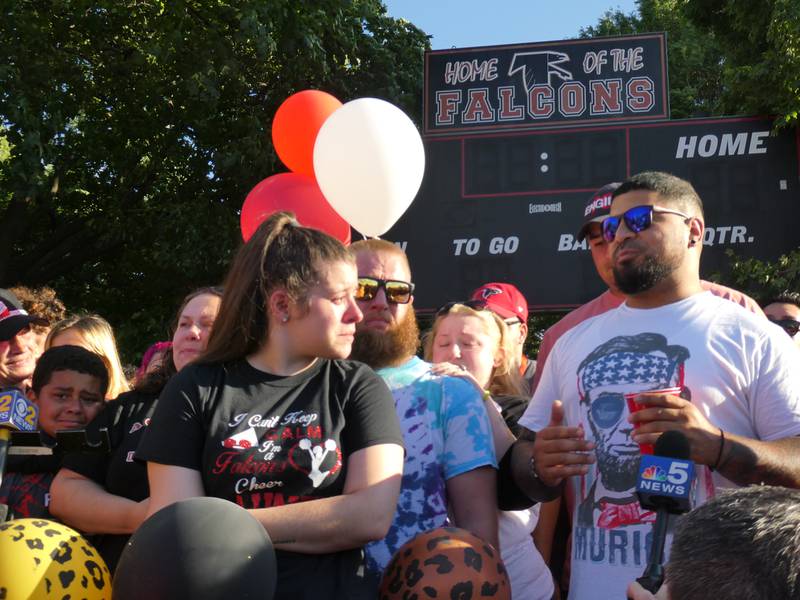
point(518, 137)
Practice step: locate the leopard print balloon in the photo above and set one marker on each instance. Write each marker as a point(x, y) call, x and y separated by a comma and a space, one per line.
point(446, 563)
point(45, 559)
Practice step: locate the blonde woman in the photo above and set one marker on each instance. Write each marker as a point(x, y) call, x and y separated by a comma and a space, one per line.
point(95, 334)
point(469, 340)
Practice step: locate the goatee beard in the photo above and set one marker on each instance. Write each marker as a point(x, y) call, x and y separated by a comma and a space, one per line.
point(635, 279)
point(388, 348)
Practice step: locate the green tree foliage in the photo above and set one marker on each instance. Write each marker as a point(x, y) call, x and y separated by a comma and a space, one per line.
point(763, 280)
point(694, 57)
point(725, 56)
point(132, 130)
point(760, 41)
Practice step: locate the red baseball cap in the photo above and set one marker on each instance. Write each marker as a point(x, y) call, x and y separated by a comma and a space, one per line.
point(503, 299)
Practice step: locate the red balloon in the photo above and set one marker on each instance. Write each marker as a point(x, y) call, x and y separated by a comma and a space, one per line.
point(295, 128)
point(296, 193)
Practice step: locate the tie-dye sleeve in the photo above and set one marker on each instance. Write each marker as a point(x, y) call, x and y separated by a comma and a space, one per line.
point(466, 430)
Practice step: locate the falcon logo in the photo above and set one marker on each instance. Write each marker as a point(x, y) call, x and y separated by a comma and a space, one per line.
point(488, 292)
point(539, 67)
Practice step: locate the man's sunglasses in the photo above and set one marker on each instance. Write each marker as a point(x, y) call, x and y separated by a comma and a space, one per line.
point(474, 305)
point(607, 408)
point(790, 326)
point(637, 219)
point(397, 292)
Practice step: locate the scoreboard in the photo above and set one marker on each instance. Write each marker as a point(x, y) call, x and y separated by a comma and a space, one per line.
point(507, 206)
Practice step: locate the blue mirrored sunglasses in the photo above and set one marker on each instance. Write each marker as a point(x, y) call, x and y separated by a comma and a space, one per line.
point(637, 219)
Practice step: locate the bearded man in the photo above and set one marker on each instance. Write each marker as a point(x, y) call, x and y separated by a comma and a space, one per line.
point(450, 459)
point(738, 402)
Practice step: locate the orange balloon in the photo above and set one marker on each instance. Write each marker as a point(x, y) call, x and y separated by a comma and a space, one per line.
point(296, 125)
point(445, 563)
point(298, 194)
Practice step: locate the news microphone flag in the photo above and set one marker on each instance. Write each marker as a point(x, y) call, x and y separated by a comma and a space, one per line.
point(664, 485)
point(665, 478)
point(17, 412)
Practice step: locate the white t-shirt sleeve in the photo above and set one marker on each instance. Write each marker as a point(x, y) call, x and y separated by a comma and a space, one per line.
point(775, 399)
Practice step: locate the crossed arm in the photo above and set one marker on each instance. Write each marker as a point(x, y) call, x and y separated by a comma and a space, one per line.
point(362, 513)
point(86, 505)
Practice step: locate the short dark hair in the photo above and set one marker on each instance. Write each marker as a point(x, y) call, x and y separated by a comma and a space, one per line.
point(673, 190)
point(785, 297)
point(69, 358)
point(746, 542)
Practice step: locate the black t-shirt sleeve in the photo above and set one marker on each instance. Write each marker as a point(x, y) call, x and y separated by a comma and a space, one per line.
point(94, 465)
point(177, 432)
point(369, 413)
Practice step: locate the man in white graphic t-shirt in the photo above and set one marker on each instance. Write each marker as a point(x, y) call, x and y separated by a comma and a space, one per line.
point(739, 398)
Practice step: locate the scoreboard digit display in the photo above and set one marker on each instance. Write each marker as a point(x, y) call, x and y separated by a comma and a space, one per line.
point(541, 163)
point(507, 206)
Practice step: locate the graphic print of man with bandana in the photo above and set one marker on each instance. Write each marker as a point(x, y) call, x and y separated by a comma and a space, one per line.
point(623, 365)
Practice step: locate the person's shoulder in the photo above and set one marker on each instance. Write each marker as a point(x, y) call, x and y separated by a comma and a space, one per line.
point(459, 390)
point(407, 372)
point(598, 306)
point(732, 295)
point(732, 321)
point(130, 398)
point(349, 370)
point(124, 405)
point(205, 373)
point(586, 325)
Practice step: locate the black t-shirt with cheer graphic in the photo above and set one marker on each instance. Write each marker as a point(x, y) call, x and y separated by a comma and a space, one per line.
point(126, 419)
point(261, 440)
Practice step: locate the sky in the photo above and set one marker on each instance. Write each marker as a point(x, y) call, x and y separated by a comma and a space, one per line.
point(465, 23)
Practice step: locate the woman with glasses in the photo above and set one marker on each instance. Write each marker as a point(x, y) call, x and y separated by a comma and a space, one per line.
point(272, 418)
point(469, 340)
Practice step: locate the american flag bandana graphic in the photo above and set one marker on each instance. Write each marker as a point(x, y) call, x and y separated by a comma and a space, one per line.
point(627, 367)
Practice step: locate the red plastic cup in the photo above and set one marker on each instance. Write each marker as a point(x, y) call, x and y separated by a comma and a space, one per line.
point(634, 406)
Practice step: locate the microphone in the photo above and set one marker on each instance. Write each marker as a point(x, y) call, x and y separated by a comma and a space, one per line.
point(17, 413)
point(664, 483)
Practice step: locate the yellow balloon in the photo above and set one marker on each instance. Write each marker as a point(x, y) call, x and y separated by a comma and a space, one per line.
point(45, 559)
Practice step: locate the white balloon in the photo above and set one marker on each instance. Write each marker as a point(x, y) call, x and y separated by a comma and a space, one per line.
point(369, 161)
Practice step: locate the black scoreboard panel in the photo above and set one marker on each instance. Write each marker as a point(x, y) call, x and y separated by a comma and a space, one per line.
point(506, 207)
point(542, 163)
